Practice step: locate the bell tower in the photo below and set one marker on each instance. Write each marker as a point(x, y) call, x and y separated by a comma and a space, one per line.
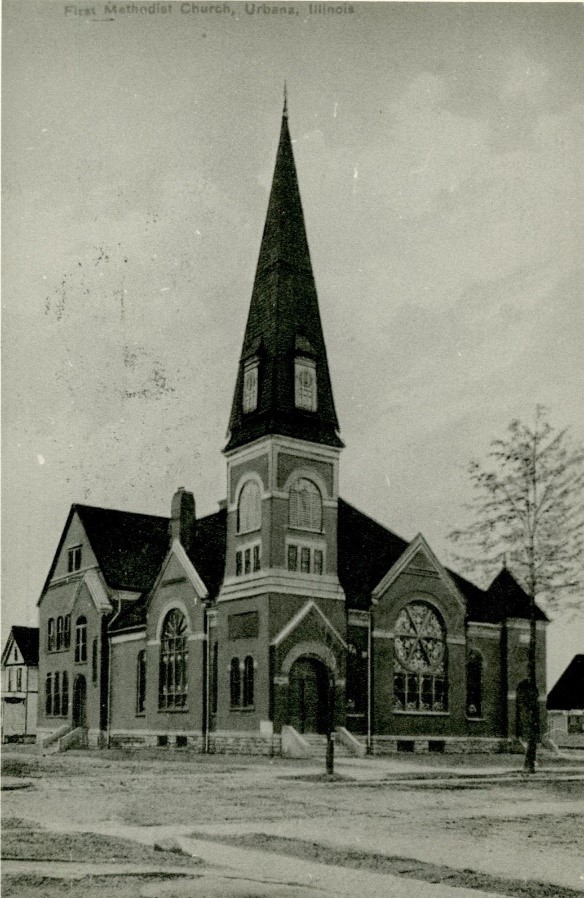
point(281, 601)
point(283, 444)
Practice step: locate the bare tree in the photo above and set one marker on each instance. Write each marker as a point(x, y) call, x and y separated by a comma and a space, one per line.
point(528, 509)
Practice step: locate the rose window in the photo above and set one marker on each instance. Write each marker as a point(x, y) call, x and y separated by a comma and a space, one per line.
point(419, 660)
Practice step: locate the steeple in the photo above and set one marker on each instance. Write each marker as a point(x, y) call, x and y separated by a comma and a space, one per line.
point(284, 345)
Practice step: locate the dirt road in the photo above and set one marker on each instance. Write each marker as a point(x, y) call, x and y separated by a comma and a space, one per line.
point(433, 828)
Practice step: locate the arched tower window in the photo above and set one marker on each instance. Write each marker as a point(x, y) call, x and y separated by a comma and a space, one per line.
point(173, 679)
point(248, 682)
point(419, 680)
point(249, 510)
point(474, 684)
point(81, 639)
point(60, 631)
point(305, 511)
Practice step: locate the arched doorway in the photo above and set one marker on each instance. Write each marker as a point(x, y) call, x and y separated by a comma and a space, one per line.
point(308, 696)
point(79, 702)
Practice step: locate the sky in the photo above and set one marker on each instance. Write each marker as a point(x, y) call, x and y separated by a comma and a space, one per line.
point(439, 150)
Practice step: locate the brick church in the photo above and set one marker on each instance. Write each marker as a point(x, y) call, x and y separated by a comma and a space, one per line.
point(288, 611)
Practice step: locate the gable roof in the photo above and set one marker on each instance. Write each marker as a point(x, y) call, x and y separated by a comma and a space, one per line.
point(568, 693)
point(366, 551)
point(284, 321)
point(297, 619)
point(27, 640)
point(129, 547)
point(207, 555)
point(506, 598)
point(419, 551)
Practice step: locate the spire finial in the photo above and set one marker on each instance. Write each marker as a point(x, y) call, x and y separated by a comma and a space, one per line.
point(285, 110)
point(504, 560)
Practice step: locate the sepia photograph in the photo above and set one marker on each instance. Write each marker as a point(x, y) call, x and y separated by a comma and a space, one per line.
point(292, 449)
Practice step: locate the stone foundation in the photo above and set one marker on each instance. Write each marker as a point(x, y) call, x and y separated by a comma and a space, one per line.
point(245, 744)
point(222, 743)
point(388, 745)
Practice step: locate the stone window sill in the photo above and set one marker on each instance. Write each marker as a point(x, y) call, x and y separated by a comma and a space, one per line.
point(472, 717)
point(244, 708)
point(423, 713)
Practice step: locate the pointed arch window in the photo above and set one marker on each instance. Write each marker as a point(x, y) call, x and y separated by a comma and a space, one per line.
point(249, 509)
point(305, 511)
point(419, 680)
point(250, 386)
point(305, 384)
point(173, 679)
point(474, 684)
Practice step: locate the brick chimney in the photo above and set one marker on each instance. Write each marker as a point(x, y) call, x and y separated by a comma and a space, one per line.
point(183, 519)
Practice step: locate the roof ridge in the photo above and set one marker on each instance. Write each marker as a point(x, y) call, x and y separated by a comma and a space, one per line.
point(141, 514)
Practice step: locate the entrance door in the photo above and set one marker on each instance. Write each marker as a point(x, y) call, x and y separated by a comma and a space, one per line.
point(79, 702)
point(308, 696)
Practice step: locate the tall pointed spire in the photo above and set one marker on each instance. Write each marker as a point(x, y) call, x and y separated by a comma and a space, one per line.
point(284, 322)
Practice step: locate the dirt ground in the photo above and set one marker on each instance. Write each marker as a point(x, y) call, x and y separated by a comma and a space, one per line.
point(173, 824)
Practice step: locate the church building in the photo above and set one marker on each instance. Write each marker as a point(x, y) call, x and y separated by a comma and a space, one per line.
point(288, 612)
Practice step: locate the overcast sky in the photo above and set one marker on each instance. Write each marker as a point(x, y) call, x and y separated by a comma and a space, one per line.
point(439, 151)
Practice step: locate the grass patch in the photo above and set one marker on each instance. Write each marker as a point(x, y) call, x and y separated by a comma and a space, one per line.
point(32, 886)
point(38, 845)
point(395, 866)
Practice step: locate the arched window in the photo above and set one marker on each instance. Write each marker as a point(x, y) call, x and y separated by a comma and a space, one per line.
point(305, 505)
point(51, 635)
point(173, 680)
point(67, 632)
point(81, 639)
point(49, 695)
point(94, 661)
point(215, 678)
point(249, 510)
point(235, 683)
point(19, 679)
point(419, 680)
point(141, 682)
point(57, 694)
point(65, 694)
point(474, 684)
point(248, 675)
point(60, 633)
